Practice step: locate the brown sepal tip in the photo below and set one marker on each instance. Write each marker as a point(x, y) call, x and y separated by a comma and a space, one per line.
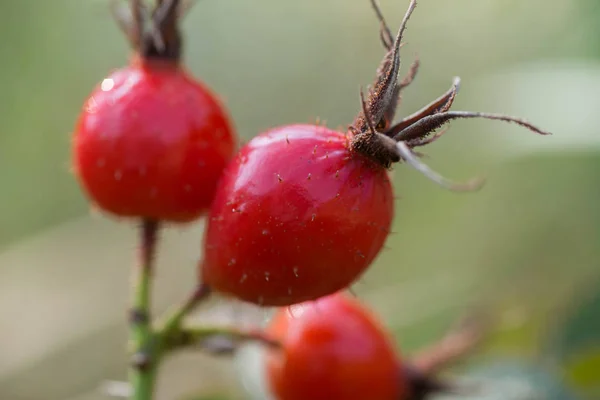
point(374, 133)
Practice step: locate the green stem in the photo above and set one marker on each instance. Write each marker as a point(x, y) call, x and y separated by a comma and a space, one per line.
point(143, 383)
point(173, 322)
point(144, 363)
point(197, 336)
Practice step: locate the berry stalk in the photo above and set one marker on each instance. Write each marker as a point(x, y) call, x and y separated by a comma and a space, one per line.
point(145, 359)
point(172, 325)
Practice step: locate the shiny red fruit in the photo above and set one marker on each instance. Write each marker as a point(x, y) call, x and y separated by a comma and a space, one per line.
point(297, 216)
point(152, 142)
point(333, 348)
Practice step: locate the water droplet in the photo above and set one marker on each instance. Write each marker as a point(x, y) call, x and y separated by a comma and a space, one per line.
point(290, 290)
point(265, 232)
point(118, 175)
point(243, 278)
point(295, 271)
point(107, 84)
point(267, 276)
point(313, 217)
point(233, 261)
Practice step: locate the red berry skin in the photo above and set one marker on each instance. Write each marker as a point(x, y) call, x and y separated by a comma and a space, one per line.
point(333, 348)
point(151, 142)
point(297, 216)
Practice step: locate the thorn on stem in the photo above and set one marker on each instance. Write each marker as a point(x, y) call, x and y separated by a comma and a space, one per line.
point(138, 316)
point(141, 360)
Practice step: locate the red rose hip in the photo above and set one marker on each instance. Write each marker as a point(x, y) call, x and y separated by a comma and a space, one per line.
point(151, 141)
point(302, 211)
point(333, 348)
point(297, 216)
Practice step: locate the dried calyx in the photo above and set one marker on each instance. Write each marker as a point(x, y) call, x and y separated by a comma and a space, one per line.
point(376, 136)
point(152, 31)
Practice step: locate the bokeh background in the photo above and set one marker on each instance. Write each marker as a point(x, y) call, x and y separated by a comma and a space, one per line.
point(527, 247)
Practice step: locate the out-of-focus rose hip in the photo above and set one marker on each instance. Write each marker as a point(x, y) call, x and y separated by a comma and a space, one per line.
point(333, 348)
point(151, 141)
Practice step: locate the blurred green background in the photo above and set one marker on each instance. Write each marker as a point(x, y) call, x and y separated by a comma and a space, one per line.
point(527, 246)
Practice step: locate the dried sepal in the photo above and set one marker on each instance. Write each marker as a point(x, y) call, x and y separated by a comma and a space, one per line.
point(378, 147)
point(152, 32)
point(384, 91)
point(461, 339)
point(129, 19)
point(374, 135)
point(411, 74)
point(407, 155)
point(385, 34)
point(455, 345)
point(427, 124)
point(441, 104)
point(426, 140)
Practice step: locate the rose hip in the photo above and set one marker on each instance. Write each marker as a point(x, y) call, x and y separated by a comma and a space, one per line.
point(302, 211)
point(151, 141)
